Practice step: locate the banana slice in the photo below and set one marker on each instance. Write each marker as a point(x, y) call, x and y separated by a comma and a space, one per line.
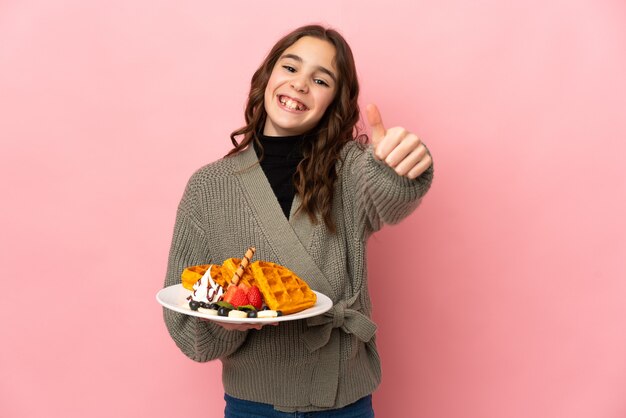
point(269, 313)
point(208, 311)
point(237, 314)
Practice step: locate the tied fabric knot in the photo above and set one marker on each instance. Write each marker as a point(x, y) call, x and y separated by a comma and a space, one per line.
point(343, 315)
point(323, 334)
point(339, 314)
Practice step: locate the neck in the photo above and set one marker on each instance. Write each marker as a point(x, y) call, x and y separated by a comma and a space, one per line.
point(281, 146)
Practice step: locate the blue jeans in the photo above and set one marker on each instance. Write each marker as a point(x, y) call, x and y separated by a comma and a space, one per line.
point(239, 408)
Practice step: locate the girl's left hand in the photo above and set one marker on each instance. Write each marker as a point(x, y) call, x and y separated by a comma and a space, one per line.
point(398, 148)
point(239, 327)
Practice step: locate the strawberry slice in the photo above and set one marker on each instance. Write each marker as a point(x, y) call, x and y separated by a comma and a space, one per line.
point(230, 292)
point(244, 286)
point(238, 297)
point(255, 298)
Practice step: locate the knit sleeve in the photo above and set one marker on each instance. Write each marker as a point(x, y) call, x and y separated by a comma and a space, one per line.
point(199, 340)
point(380, 195)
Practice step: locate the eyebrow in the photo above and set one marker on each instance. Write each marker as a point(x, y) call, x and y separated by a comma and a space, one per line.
point(319, 67)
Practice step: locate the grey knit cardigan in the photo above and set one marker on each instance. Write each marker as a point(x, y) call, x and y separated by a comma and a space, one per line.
point(328, 361)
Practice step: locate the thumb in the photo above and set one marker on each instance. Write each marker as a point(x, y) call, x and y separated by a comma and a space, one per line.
point(376, 122)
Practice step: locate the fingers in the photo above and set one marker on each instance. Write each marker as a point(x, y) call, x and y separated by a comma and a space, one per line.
point(398, 148)
point(239, 327)
point(404, 157)
point(376, 123)
point(420, 167)
point(396, 145)
point(404, 152)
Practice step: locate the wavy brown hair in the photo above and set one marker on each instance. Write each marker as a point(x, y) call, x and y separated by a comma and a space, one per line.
point(316, 174)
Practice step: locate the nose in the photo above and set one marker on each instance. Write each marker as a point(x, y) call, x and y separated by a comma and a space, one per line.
point(299, 85)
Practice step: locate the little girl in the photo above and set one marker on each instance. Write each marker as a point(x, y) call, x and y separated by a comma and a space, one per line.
point(305, 188)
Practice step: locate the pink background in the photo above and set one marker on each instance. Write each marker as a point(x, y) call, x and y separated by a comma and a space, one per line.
point(512, 272)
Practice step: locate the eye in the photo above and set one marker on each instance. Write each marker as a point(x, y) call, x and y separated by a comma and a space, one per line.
point(289, 68)
point(321, 82)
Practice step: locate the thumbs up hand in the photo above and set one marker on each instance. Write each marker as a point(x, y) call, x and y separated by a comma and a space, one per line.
point(398, 148)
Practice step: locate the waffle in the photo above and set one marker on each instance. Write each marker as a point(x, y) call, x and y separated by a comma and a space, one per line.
point(281, 288)
point(192, 274)
point(229, 267)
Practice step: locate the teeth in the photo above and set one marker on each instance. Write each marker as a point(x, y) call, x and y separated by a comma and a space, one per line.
point(291, 104)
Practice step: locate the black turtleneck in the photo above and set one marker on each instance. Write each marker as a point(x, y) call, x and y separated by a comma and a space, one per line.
point(281, 156)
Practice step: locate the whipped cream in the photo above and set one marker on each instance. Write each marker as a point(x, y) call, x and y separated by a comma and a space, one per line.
point(206, 290)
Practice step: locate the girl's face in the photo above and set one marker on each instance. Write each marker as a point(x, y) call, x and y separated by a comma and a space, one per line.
point(301, 87)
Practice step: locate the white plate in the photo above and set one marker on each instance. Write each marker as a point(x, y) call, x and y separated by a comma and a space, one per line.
point(175, 298)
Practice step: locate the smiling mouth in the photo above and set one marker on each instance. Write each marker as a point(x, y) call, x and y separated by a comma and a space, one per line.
point(292, 104)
